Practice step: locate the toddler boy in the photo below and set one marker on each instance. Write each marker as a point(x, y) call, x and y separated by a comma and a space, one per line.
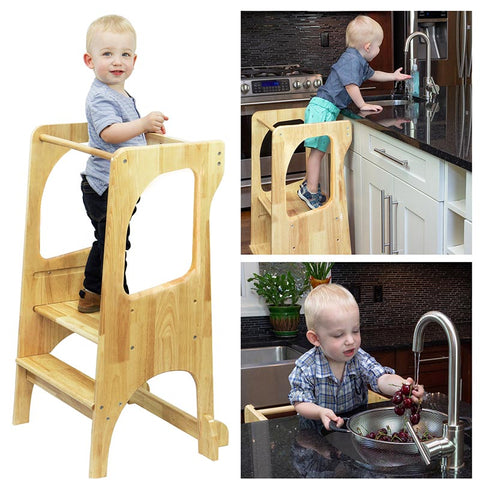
point(333, 377)
point(363, 37)
point(113, 122)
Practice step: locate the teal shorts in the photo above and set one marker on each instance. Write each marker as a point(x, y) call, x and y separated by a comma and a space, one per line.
point(320, 110)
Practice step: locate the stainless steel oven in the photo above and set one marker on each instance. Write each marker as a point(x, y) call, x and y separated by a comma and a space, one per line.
point(271, 88)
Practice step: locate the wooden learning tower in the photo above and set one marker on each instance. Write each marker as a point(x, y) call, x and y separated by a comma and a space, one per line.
point(161, 329)
point(281, 223)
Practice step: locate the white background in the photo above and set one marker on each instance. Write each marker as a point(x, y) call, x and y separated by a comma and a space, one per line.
point(181, 47)
point(44, 81)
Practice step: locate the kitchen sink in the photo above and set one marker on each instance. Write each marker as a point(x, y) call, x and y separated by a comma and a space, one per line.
point(391, 100)
point(264, 375)
point(268, 355)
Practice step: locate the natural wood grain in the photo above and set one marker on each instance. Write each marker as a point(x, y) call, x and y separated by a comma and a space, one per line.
point(67, 315)
point(281, 223)
point(139, 336)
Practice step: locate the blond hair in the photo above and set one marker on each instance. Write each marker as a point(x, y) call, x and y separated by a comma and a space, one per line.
point(323, 297)
point(109, 23)
point(361, 30)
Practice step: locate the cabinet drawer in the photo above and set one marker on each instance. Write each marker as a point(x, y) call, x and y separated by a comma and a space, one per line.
point(419, 169)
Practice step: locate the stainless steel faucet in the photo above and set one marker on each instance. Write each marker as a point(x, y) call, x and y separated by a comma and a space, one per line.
point(431, 88)
point(450, 447)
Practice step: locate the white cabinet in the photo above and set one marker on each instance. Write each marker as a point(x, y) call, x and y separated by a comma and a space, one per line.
point(399, 204)
point(458, 210)
point(397, 218)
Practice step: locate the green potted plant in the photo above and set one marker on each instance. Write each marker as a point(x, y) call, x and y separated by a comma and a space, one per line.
point(281, 293)
point(317, 272)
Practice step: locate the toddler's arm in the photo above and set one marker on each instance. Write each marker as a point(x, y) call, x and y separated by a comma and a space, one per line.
point(355, 94)
point(122, 132)
point(316, 412)
point(390, 383)
point(397, 75)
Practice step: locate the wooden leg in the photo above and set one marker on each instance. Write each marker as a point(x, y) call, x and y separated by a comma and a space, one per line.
point(102, 430)
point(23, 396)
point(211, 433)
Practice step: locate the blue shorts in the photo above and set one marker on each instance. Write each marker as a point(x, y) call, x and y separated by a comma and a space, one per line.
point(320, 110)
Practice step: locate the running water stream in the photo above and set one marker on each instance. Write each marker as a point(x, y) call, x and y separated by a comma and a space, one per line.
point(416, 367)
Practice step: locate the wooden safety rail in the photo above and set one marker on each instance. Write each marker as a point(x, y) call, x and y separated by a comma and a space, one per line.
point(138, 336)
point(281, 223)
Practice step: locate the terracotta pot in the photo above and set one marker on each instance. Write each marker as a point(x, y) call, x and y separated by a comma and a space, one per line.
point(315, 282)
point(284, 320)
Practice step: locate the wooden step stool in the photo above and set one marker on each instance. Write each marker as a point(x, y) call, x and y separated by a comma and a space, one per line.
point(281, 223)
point(164, 328)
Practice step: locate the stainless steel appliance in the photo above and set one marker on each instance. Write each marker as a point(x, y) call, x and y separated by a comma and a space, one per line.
point(270, 88)
point(450, 35)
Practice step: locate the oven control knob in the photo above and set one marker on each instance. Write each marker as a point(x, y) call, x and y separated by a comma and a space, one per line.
point(317, 83)
point(296, 84)
point(245, 87)
point(307, 84)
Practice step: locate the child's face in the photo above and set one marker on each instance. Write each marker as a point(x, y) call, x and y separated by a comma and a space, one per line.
point(112, 58)
point(338, 334)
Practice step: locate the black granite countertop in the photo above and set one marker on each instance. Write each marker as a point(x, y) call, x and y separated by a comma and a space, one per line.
point(442, 128)
point(293, 447)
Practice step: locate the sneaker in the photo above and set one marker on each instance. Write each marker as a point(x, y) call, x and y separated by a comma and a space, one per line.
point(88, 302)
point(313, 200)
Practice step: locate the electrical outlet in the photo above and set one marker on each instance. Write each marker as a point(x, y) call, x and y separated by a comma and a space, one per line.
point(356, 292)
point(325, 39)
point(378, 293)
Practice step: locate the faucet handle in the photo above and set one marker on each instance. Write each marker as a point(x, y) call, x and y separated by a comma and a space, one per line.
point(431, 86)
point(424, 452)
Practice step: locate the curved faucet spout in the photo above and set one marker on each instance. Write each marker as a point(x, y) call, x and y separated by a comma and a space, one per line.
point(453, 431)
point(453, 357)
point(429, 57)
point(431, 88)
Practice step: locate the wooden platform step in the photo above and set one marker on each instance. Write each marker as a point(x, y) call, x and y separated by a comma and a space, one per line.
point(61, 380)
point(295, 206)
point(67, 315)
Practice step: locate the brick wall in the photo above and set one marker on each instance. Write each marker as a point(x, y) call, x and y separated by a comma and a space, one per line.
point(408, 291)
point(277, 38)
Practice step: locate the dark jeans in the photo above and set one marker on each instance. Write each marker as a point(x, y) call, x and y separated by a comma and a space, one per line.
point(96, 207)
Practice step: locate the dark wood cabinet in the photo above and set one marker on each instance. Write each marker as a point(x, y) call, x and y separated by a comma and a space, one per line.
point(384, 60)
point(433, 367)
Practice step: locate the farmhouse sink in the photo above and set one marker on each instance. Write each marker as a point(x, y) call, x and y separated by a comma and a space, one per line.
point(265, 373)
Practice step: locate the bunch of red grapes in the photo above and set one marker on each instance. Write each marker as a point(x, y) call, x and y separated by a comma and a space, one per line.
point(403, 401)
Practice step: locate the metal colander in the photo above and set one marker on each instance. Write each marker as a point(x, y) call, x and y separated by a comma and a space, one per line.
point(373, 420)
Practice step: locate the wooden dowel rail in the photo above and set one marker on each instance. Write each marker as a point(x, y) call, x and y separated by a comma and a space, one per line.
point(277, 410)
point(75, 146)
point(270, 127)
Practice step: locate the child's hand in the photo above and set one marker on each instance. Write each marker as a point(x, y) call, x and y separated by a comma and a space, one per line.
point(417, 391)
point(372, 108)
point(398, 76)
point(327, 415)
point(153, 122)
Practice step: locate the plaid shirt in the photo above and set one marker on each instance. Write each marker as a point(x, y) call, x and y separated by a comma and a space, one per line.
point(312, 380)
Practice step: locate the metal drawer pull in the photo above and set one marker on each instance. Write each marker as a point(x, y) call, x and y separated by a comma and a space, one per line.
point(382, 219)
point(381, 151)
point(392, 202)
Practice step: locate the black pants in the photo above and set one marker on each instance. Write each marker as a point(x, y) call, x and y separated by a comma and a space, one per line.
point(96, 207)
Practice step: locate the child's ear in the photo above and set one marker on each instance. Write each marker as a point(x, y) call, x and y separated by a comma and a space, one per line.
point(366, 47)
point(87, 58)
point(312, 337)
